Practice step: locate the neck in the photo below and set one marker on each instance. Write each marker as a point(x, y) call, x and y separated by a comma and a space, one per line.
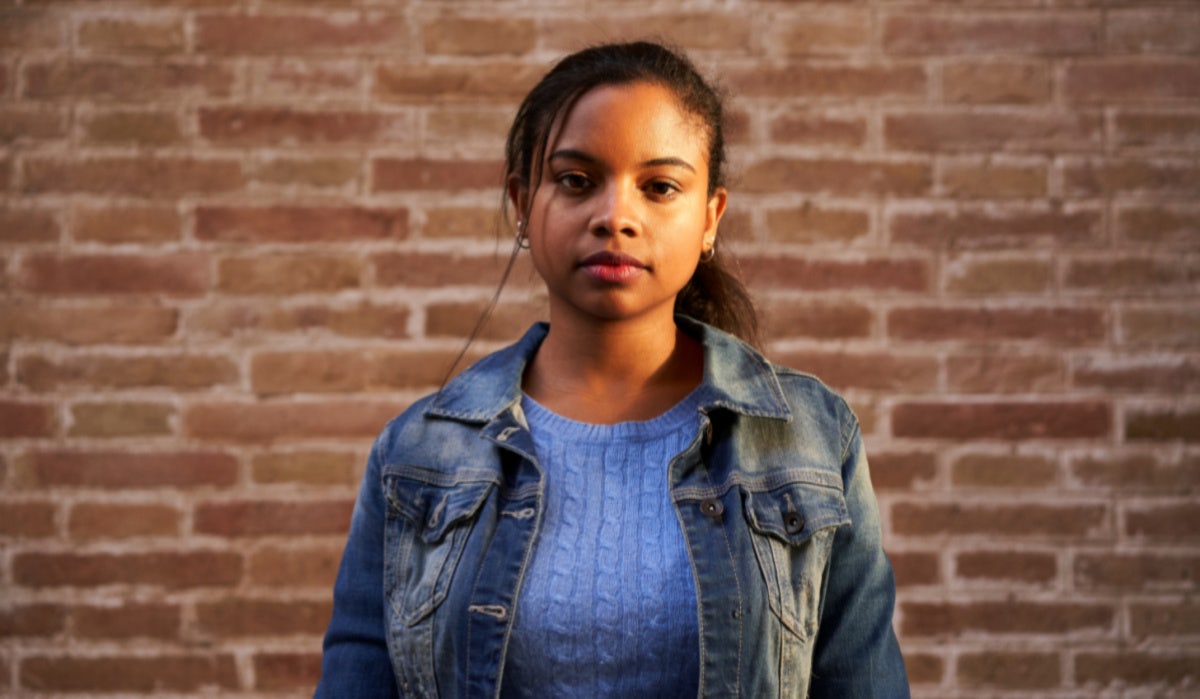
point(614, 372)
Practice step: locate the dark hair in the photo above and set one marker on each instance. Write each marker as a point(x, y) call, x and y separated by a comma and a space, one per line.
point(713, 295)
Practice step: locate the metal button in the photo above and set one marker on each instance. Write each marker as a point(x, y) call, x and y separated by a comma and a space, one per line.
point(793, 522)
point(711, 507)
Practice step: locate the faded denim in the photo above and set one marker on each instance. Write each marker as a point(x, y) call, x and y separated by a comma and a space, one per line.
point(795, 594)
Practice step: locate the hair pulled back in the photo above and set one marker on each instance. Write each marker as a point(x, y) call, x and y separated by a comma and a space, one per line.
point(713, 295)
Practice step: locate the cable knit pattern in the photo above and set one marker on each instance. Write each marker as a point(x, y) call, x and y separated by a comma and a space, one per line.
point(608, 605)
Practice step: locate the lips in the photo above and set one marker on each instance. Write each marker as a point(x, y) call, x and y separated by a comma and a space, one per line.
point(612, 267)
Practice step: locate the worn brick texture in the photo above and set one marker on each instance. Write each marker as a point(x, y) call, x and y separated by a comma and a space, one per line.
point(236, 236)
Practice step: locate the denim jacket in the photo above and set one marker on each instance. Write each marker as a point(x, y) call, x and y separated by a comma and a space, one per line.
point(794, 592)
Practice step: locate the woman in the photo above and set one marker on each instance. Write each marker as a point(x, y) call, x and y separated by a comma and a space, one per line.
point(628, 501)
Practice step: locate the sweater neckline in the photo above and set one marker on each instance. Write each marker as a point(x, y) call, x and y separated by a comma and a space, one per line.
point(543, 421)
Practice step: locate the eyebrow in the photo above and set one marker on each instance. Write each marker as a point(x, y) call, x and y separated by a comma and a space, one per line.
point(572, 154)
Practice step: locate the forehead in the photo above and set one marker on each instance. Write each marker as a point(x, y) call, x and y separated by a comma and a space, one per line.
point(640, 120)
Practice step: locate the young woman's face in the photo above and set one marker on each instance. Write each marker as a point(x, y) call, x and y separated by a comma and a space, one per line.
point(622, 212)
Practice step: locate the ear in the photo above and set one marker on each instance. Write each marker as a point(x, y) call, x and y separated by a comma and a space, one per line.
point(518, 195)
point(712, 218)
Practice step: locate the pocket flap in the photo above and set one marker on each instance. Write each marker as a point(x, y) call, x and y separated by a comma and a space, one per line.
point(794, 511)
point(431, 508)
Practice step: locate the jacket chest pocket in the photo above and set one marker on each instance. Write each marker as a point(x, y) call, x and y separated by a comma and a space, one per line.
point(427, 528)
point(792, 530)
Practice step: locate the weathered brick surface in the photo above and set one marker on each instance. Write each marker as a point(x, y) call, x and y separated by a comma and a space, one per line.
point(237, 236)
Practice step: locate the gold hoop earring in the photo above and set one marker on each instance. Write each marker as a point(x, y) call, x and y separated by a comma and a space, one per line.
point(522, 240)
point(707, 255)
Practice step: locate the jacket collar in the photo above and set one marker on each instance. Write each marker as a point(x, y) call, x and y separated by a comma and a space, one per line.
point(736, 377)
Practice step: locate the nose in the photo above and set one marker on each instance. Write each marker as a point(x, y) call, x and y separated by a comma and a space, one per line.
point(616, 211)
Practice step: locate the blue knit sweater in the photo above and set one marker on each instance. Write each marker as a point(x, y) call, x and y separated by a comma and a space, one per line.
point(608, 605)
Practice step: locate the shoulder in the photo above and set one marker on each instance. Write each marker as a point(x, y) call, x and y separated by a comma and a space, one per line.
point(812, 402)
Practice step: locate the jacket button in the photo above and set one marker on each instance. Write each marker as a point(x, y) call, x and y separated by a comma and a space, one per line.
point(711, 507)
point(793, 522)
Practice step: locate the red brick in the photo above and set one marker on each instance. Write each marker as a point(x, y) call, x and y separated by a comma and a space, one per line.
point(42, 621)
point(294, 128)
point(459, 222)
point(321, 468)
point(1127, 177)
point(478, 36)
point(811, 223)
point(1136, 374)
point(128, 620)
point(1008, 33)
point(1164, 522)
point(923, 668)
point(129, 127)
point(468, 125)
point(840, 177)
point(310, 372)
point(1169, 619)
point(125, 82)
point(183, 274)
point(1122, 80)
point(996, 82)
point(122, 521)
point(266, 518)
point(299, 224)
point(297, 34)
point(1127, 473)
point(1007, 420)
point(328, 173)
point(1159, 225)
point(179, 372)
point(1009, 670)
point(902, 470)
point(111, 322)
point(877, 371)
point(287, 671)
point(810, 272)
point(1129, 275)
point(313, 566)
point(404, 174)
point(976, 470)
point(1067, 326)
point(29, 29)
point(708, 30)
point(994, 131)
point(27, 520)
point(26, 419)
point(26, 225)
point(241, 617)
point(1009, 227)
point(120, 419)
point(819, 130)
point(115, 673)
point(1135, 667)
point(27, 124)
point(266, 422)
point(1006, 567)
point(994, 276)
point(1161, 326)
point(287, 274)
point(433, 269)
point(173, 569)
point(151, 177)
point(1044, 618)
point(458, 319)
point(1163, 425)
point(808, 81)
point(126, 470)
point(420, 369)
point(1166, 131)
point(989, 178)
point(1137, 572)
point(999, 520)
point(492, 81)
point(292, 78)
point(818, 319)
point(1166, 30)
point(821, 31)
point(915, 568)
point(126, 224)
point(113, 35)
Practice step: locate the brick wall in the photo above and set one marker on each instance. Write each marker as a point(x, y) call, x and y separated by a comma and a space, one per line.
point(237, 235)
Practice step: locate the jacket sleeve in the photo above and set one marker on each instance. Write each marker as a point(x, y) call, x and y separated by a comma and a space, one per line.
point(355, 662)
point(856, 653)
